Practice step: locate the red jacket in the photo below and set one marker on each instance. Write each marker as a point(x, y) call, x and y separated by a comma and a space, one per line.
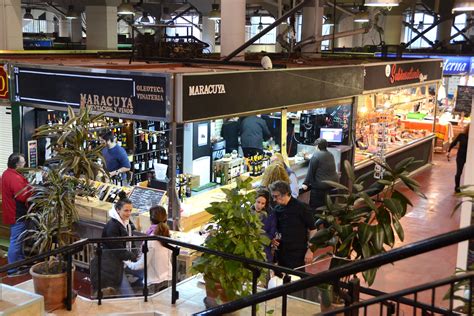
point(12, 183)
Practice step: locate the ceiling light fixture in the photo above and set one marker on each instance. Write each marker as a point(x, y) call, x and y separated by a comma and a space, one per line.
point(215, 13)
point(28, 16)
point(382, 3)
point(71, 14)
point(463, 5)
point(145, 18)
point(362, 17)
point(125, 8)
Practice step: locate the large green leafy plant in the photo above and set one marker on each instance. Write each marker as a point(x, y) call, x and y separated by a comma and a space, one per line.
point(361, 224)
point(237, 231)
point(70, 173)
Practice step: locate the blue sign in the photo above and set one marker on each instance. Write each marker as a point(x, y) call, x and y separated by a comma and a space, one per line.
point(452, 65)
point(456, 65)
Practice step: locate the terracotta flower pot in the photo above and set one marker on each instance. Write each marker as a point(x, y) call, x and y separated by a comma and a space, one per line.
point(215, 296)
point(53, 287)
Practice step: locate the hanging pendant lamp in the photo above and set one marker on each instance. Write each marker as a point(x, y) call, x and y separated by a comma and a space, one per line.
point(463, 5)
point(362, 17)
point(28, 16)
point(382, 3)
point(125, 8)
point(215, 13)
point(72, 14)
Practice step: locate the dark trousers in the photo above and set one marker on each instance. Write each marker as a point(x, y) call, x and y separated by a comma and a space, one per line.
point(459, 167)
point(317, 198)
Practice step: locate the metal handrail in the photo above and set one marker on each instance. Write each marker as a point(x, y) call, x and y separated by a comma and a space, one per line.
point(419, 288)
point(394, 255)
point(308, 280)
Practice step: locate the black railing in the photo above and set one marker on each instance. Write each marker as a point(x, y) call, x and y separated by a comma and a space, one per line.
point(172, 244)
point(346, 270)
point(391, 304)
point(307, 281)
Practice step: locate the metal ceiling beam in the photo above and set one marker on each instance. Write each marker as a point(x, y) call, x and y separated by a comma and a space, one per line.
point(432, 26)
point(414, 29)
point(267, 29)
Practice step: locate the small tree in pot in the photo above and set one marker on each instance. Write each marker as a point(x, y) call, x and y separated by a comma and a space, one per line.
point(236, 231)
point(361, 222)
point(52, 210)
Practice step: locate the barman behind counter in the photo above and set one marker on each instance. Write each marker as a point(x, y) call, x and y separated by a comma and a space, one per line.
point(116, 159)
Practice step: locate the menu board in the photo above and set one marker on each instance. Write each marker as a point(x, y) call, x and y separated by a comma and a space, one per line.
point(144, 198)
point(464, 100)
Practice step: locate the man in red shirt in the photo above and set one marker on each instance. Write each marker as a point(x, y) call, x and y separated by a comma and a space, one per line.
point(14, 198)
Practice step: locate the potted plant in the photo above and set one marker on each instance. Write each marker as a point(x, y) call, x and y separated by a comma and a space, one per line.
point(361, 222)
point(52, 210)
point(238, 231)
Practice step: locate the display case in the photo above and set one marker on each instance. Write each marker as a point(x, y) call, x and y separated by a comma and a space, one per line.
point(406, 116)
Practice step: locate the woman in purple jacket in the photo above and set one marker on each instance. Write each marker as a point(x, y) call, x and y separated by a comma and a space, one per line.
point(268, 218)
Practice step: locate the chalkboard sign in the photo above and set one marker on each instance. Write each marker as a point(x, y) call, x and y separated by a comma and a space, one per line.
point(144, 198)
point(464, 100)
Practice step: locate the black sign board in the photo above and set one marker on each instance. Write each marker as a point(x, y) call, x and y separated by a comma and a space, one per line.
point(401, 73)
point(143, 198)
point(464, 100)
point(223, 94)
point(121, 94)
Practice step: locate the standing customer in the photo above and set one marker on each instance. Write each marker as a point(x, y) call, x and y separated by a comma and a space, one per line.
point(462, 139)
point(115, 253)
point(14, 196)
point(295, 223)
point(253, 131)
point(116, 158)
point(291, 174)
point(158, 260)
point(230, 133)
point(267, 217)
point(322, 167)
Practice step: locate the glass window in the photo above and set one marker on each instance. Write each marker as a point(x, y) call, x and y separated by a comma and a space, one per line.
point(422, 21)
point(257, 25)
point(460, 23)
point(183, 27)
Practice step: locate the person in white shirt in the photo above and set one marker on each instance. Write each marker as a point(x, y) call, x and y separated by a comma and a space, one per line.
point(158, 257)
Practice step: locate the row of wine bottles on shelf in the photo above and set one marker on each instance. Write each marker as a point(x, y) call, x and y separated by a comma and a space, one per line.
point(112, 191)
point(257, 164)
point(183, 186)
point(145, 162)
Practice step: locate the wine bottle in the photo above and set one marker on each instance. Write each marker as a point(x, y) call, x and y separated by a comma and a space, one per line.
point(142, 163)
point(150, 162)
point(48, 121)
point(136, 165)
point(218, 176)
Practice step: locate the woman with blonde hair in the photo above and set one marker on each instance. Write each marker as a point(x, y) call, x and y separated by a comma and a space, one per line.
point(274, 172)
point(291, 174)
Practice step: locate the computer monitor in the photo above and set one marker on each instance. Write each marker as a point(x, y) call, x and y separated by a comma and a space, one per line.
point(332, 135)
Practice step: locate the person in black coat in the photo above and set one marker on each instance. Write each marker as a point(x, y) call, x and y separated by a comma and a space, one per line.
point(230, 132)
point(462, 139)
point(115, 253)
point(253, 131)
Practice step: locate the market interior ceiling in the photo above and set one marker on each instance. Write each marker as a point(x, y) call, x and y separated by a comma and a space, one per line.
point(255, 7)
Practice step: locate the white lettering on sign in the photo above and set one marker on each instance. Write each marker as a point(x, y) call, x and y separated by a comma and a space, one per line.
point(453, 66)
point(206, 89)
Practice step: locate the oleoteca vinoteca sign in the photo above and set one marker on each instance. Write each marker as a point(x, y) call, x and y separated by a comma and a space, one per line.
point(206, 89)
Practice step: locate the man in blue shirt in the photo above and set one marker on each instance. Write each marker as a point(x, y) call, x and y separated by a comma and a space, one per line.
point(116, 158)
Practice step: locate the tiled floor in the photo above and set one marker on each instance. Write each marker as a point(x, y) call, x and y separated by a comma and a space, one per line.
point(191, 294)
point(425, 219)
